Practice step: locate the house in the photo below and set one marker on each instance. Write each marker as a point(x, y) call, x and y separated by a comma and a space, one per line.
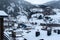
point(2, 16)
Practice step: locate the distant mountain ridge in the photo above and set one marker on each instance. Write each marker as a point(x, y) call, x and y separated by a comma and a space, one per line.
point(54, 4)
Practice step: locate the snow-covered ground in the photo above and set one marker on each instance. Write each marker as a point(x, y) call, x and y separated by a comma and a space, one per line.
point(43, 34)
point(31, 35)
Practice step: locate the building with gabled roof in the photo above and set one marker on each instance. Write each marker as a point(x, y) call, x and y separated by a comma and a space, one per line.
point(2, 16)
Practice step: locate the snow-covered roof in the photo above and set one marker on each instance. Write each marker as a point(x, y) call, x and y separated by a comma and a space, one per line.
point(36, 10)
point(3, 14)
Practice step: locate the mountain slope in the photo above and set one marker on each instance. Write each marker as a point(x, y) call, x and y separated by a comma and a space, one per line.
point(54, 4)
point(15, 5)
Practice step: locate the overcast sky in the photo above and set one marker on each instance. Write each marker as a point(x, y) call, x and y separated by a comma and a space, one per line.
point(39, 1)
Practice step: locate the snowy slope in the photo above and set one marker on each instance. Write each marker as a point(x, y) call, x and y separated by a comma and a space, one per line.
point(43, 34)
